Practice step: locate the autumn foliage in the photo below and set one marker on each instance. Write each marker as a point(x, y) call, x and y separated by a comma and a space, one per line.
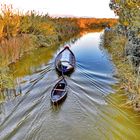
point(96, 23)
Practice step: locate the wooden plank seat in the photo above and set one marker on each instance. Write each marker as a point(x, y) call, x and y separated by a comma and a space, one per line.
point(59, 89)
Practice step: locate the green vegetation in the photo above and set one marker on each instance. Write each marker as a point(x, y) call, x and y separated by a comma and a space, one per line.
point(128, 12)
point(129, 26)
point(124, 44)
point(20, 33)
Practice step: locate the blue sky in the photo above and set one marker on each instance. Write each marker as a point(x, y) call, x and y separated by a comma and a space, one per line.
point(89, 8)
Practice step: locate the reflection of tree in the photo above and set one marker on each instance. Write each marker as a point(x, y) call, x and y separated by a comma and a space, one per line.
point(73, 40)
point(102, 46)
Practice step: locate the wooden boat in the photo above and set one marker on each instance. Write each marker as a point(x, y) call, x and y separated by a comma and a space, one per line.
point(59, 92)
point(65, 61)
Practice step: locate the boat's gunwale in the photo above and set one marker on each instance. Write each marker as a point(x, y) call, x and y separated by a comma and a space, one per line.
point(73, 64)
point(65, 92)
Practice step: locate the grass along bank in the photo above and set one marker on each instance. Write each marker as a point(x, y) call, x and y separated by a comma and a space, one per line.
point(21, 33)
point(128, 29)
point(129, 81)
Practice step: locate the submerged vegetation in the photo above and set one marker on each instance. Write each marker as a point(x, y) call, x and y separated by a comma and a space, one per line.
point(124, 43)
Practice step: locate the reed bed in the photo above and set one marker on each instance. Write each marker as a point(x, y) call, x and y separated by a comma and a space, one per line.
point(129, 83)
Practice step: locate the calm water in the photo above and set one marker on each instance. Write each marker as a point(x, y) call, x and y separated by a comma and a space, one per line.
point(92, 110)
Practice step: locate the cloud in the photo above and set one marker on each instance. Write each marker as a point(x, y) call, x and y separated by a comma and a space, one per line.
point(91, 8)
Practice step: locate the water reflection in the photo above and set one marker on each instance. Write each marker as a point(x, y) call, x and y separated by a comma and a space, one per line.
point(91, 111)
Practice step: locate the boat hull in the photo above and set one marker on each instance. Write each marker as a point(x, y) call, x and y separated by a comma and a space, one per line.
point(59, 92)
point(67, 66)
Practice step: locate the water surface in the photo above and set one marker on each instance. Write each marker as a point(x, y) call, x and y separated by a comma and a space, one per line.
point(92, 110)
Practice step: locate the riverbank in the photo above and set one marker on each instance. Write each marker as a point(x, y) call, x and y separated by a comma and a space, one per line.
point(129, 84)
point(125, 46)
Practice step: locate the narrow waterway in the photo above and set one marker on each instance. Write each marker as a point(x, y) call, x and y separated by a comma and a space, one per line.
point(92, 110)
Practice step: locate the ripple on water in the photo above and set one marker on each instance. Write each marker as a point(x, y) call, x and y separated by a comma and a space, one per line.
point(91, 110)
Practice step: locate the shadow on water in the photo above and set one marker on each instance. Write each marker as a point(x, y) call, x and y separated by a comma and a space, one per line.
point(92, 109)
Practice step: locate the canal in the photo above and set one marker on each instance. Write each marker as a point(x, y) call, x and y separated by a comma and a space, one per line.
point(93, 109)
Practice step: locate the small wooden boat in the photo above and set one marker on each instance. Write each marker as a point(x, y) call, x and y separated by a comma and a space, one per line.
point(59, 92)
point(65, 61)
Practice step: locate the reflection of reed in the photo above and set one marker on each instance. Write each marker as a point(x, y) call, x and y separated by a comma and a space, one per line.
point(9, 94)
point(2, 112)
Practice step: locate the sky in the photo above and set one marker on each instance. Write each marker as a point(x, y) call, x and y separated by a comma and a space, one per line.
point(79, 8)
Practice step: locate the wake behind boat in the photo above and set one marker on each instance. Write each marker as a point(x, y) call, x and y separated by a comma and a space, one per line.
point(65, 61)
point(59, 91)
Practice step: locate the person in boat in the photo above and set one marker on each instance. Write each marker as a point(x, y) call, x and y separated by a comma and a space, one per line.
point(63, 67)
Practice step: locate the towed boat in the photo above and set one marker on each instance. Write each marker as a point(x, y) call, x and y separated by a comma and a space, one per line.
point(65, 61)
point(59, 92)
